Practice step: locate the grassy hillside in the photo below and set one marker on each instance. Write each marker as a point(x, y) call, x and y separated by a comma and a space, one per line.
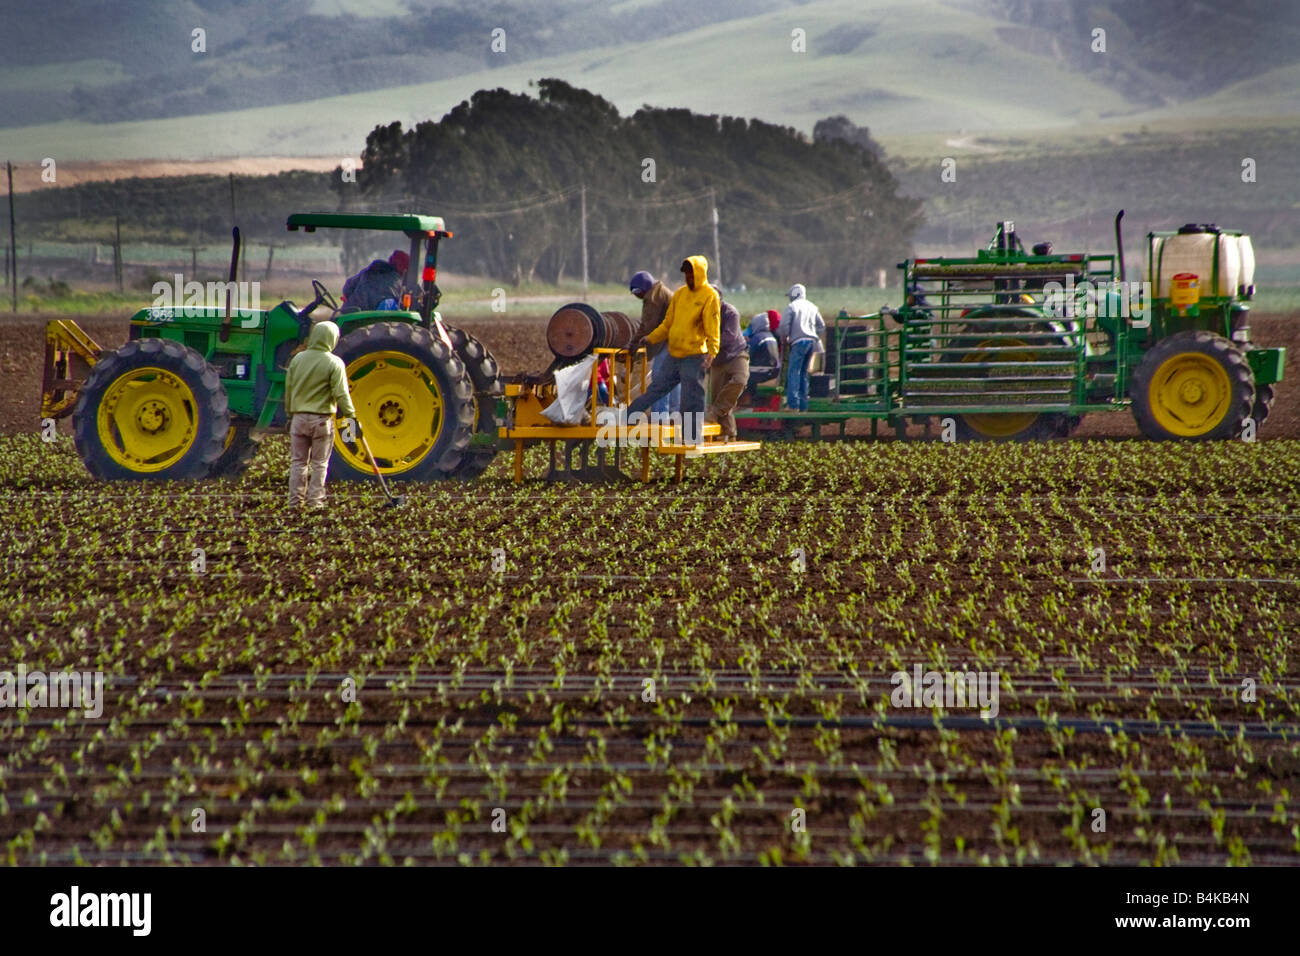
point(898, 66)
point(1068, 190)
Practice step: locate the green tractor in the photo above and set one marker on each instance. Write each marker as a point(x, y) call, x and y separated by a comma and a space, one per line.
point(196, 387)
point(1010, 344)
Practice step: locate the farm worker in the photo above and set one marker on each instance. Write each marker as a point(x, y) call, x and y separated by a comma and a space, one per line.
point(691, 328)
point(378, 286)
point(729, 373)
point(764, 354)
point(315, 390)
point(1037, 283)
point(774, 317)
point(802, 326)
point(602, 381)
point(654, 296)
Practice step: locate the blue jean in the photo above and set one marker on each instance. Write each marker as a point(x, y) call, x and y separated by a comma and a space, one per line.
point(672, 402)
point(687, 374)
point(796, 375)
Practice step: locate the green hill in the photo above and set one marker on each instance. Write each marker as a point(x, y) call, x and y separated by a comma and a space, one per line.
point(312, 78)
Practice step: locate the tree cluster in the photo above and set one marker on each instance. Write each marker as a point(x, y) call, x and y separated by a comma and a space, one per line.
point(510, 172)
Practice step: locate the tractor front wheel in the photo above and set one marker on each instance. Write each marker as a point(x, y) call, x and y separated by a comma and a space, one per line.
point(1194, 386)
point(152, 409)
point(414, 400)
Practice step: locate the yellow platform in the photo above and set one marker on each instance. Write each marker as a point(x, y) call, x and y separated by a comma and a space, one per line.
point(526, 425)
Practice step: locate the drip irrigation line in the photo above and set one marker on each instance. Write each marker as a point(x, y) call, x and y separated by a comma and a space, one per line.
point(603, 858)
point(1131, 727)
point(918, 773)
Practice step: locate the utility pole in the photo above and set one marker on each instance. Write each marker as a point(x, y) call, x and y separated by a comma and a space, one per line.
point(270, 257)
point(13, 243)
point(117, 250)
point(717, 255)
point(583, 199)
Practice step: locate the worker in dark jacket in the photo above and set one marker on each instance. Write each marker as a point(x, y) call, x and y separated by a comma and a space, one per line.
point(729, 373)
point(378, 286)
point(764, 353)
point(654, 296)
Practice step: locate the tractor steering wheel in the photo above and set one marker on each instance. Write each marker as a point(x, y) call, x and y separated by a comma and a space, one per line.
point(323, 295)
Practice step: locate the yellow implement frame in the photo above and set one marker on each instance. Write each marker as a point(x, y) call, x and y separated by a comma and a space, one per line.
point(69, 355)
point(525, 423)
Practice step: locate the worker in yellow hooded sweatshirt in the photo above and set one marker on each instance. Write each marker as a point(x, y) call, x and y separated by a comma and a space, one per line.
point(691, 326)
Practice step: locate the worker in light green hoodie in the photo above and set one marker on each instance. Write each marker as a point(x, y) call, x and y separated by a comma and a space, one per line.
point(315, 390)
point(691, 327)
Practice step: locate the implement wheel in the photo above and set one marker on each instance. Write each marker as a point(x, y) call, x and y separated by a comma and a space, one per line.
point(152, 409)
point(413, 399)
point(1195, 386)
point(485, 376)
point(1264, 397)
point(239, 451)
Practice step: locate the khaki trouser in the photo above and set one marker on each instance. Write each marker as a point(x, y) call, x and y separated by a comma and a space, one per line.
point(311, 439)
point(726, 381)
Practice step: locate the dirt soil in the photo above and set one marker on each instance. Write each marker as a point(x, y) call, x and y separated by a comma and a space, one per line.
point(27, 176)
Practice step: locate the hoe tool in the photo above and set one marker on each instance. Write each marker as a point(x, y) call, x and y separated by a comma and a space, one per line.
point(394, 501)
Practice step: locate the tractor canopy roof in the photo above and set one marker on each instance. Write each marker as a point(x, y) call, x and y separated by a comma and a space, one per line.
point(412, 225)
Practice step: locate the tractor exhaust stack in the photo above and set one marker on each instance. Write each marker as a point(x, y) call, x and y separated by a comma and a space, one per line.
point(1119, 243)
point(224, 335)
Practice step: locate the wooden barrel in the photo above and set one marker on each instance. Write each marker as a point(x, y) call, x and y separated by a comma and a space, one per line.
point(620, 330)
point(577, 328)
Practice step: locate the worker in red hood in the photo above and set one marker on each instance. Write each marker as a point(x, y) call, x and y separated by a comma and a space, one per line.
point(378, 286)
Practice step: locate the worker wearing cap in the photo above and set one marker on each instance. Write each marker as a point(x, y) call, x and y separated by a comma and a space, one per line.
point(315, 390)
point(378, 286)
point(654, 296)
point(729, 373)
point(802, 327)
point(691, 328)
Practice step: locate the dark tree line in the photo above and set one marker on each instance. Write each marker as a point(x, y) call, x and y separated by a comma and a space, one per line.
point(505, 170)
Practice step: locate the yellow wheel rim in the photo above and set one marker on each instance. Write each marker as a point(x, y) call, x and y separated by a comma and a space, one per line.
point(1189, 394)
point(147, 419)
point(399, 406)
point(1000, 424)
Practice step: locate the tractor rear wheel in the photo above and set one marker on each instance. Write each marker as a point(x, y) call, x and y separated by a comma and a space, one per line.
point(152, 409)
point(1193, 385)
point(1009, 425)
point(485, 375)
point(414, 401)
